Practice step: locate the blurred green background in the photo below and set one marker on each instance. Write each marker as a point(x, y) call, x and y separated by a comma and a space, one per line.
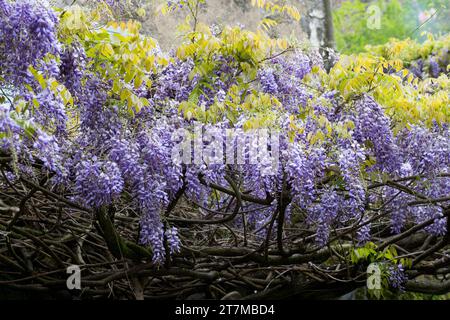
point(399, 19)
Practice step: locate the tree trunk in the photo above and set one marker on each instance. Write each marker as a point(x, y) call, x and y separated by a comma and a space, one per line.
point(318, 23)
point(329, 41)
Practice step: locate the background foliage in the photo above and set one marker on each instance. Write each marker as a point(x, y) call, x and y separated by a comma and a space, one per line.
point(400, 19)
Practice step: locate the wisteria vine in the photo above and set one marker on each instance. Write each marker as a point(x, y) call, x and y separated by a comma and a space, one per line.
point(341, 163)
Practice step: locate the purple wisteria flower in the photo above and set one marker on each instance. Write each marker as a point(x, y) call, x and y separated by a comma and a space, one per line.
point(397, 277)
point(27, 34)
point(98, 182)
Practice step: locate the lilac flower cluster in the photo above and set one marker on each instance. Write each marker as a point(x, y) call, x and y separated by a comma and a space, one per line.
point(173, 240)
point(51, 111)
point(10, 138)
point(435, 69)
point(27, 34)
point(283, 80)
point(174, 82)
point(152, 234)
point(324, 214)
point(268, 81)
point(417, 68)
point(178, 81)
point(301, 174)
point(15, 139)
point(145, 163)
point(349, 162)
point(363, 234)
point(397, 277)
point(432, 66)
point(373, 128)
point(72, 67)
point(99, 123)
point(423, 152)
point(98, 182)
point(49, 151)
point(425, 213)
point(174, 3)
